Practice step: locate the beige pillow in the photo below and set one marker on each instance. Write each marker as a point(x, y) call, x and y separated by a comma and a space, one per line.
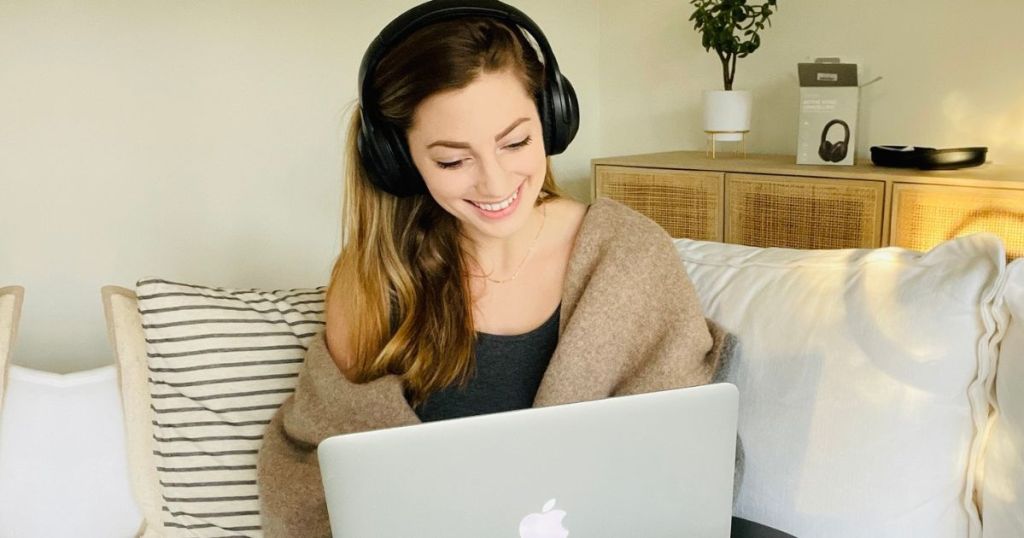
point(10, 312)
point(202, 371)
point(124, 330)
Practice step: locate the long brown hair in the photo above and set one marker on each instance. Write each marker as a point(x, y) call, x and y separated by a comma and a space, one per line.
point(400, 281)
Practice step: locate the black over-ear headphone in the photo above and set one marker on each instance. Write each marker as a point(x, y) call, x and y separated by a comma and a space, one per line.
point(834, 152)
point(383, 147)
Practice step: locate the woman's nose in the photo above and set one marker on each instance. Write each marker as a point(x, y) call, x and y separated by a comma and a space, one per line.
point(491, 181)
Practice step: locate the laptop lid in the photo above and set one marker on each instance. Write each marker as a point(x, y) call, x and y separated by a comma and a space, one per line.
point(651, 465)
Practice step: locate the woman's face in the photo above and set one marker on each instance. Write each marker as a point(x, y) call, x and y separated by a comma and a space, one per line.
point(481, 153)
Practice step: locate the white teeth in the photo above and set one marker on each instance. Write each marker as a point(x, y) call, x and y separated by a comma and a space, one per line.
point(498, 206)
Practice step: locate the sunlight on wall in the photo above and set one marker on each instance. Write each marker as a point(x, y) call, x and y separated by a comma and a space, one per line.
point(968, 120)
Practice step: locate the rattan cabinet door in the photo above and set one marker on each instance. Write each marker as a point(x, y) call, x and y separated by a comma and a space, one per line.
point(686, 203)
point(926, 215)
point(800, 212)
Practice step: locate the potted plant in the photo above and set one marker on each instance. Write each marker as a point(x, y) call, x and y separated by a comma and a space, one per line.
point(731, 28)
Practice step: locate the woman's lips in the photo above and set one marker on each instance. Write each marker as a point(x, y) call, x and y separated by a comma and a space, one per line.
point(501, 213)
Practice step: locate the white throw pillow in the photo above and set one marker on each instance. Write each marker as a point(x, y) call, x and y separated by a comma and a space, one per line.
point(221, 361)
point(862, 378)
point(1002, 486)
point(63, 470)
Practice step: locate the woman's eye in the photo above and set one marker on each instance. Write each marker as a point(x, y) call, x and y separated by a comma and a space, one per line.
point(456, 164)
point(453, 164)
point(521, 144)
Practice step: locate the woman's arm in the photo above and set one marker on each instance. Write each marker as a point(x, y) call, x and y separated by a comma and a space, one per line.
point(291, 492)
point(325, 403)
point(685, 350)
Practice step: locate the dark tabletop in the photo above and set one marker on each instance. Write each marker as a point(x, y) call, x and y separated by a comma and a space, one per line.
point(742, 528)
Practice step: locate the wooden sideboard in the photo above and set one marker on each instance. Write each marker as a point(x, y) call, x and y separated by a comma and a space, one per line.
point(770, 201)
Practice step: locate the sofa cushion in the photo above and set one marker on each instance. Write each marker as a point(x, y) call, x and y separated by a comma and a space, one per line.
point(221, 361)
point(862, 377)
point(62, 457)
point(1001, 492)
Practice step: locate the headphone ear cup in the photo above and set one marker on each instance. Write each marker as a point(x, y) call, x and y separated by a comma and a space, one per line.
point(839, 151)
point(560, 114)
point(825, 151)
point(385, 157)
point(406, 179)
point(545, 108)
point(369, 154)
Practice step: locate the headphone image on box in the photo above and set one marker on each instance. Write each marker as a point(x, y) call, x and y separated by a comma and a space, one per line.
point(834, 152)
point(383, 148)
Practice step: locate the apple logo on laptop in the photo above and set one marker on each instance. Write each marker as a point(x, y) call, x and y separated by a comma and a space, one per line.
point(547, 524)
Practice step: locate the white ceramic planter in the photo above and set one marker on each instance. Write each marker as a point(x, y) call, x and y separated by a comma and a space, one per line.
point(727, 113)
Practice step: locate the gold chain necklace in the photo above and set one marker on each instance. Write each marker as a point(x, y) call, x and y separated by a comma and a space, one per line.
point(543, 217)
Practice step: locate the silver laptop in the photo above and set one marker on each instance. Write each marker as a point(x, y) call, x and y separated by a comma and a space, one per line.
point(649, 465)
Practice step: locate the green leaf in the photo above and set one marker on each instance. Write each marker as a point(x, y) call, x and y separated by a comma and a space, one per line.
point(731, 27)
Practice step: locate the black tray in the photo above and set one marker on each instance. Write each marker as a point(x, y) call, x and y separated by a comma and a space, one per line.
point(927, 158)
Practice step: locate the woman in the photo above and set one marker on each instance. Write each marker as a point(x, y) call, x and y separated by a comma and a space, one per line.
point(468, 284)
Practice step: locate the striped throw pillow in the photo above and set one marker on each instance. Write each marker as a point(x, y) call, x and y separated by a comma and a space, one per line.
point(221, 361)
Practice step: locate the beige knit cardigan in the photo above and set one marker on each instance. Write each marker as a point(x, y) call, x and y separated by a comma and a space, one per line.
point(630, 323)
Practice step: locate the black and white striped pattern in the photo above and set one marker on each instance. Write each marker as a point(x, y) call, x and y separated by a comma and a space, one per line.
point(221, 361)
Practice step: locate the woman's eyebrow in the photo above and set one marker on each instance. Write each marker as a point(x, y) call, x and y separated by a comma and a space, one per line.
point(464, 145)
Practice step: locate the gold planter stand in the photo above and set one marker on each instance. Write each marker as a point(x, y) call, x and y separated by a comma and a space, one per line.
point(710, 147)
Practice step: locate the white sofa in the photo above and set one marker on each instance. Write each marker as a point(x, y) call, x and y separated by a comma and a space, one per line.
point(868, 379)
point(876, 387)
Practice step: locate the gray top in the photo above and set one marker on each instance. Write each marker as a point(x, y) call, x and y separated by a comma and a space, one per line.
point(509, 369)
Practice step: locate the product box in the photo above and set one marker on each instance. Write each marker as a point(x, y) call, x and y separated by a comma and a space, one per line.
point(828, 112)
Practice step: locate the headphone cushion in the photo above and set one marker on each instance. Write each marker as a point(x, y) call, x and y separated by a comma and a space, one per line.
point(838, 151)
point(385, 156)
point(825, 151)
point(545, 109)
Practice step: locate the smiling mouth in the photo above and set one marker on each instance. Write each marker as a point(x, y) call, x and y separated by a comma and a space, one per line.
point(498, 206)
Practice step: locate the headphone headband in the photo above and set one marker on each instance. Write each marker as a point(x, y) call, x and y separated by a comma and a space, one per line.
point(441, 10)
point(384, 150)
point(846, 129)
point(834, 152)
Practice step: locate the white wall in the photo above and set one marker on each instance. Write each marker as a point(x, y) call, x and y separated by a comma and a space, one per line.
point(201, 141)
point(192, 140)
point(953, 73)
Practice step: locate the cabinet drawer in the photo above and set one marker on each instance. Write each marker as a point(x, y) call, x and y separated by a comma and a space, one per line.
point(799, 212)
point(686, 203)
point(926, 215)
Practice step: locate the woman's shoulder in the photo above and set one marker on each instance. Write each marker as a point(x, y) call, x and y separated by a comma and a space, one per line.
point(567, 212)
point(603, 214)
point(565, 215)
